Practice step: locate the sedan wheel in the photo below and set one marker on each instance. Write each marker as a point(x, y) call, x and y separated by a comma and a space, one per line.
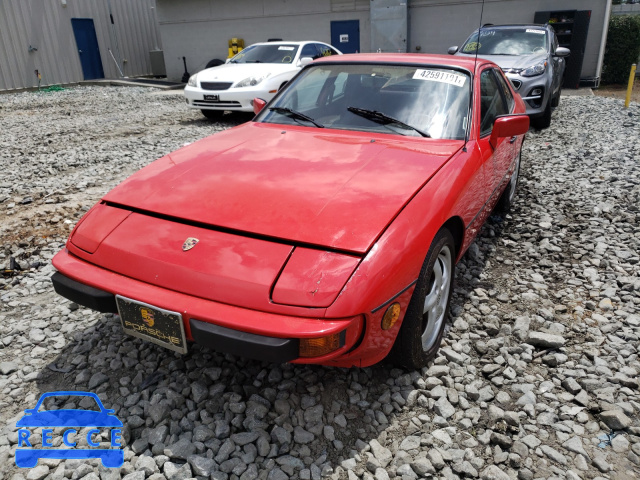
point(437, 299)
point(421, 332)
point(509, 194)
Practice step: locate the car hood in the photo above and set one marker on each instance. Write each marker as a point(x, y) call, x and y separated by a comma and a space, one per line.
point(233, 72)
point(328, 188)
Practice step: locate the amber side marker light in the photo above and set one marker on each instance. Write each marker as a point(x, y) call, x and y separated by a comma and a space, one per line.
point(391, 316)
point(316, 347)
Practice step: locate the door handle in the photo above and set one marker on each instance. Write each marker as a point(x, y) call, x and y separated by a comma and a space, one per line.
point(513, 139)
point(79, 51)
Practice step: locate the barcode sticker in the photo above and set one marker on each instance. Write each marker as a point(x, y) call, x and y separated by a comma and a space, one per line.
point(531, 30)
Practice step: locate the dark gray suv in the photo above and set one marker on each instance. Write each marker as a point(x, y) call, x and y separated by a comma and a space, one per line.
point(530, 57)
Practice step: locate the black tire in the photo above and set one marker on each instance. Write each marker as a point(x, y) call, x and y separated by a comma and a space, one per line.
point(509, 194)
point(556, 102)
point(544, 120)
point(421, 332)
point(213, 114)
point(214, 63)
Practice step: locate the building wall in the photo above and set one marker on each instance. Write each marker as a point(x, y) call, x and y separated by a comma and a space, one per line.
point(46, 25)
point(436, 25)
point(200, 29)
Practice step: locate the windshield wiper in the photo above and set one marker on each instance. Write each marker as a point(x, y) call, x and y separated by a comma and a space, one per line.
point(295, 115)
point(385, 119)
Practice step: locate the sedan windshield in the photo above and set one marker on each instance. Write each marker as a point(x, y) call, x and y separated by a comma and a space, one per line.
point(419, 101)
point(273, 53)
point(507, 41)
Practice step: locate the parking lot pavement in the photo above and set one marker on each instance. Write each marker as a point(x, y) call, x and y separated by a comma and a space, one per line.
point(539, 363)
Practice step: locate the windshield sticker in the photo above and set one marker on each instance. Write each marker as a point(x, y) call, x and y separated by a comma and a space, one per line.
point(487, 33)
point(441, 76)
point(285, 48)
point(472, 46)
point(531, 30)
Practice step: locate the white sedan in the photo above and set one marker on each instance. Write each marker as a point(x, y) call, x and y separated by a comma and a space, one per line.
point(259, 70)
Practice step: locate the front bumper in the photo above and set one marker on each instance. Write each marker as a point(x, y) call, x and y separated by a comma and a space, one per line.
point(224, 328)
point(233, 99)
point(526, 86)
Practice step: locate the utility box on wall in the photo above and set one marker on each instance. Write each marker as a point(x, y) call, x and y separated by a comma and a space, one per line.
point(388, 26)
point(157, 63)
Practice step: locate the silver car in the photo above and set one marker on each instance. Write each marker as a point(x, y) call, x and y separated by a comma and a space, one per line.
point(530, 57)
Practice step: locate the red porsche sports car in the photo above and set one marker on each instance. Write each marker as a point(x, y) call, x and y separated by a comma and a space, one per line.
point(324, 231)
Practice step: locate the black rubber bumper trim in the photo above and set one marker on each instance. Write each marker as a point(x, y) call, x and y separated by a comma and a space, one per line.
point(85, 295)
point(248, 345)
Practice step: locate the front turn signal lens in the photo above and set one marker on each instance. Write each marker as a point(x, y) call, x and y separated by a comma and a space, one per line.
point(316, 347)
point(391, 316)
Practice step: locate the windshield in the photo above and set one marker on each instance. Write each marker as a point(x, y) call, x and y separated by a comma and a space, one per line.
point(395, 99)
point(273, 53)
point(507, 41)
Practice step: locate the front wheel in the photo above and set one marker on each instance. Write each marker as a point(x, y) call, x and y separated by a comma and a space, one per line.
point(543, 121)
point(421, 332)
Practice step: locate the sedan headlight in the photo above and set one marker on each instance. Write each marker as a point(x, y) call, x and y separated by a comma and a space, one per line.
point(251, 81)
point(537, 69)
point(193, 80)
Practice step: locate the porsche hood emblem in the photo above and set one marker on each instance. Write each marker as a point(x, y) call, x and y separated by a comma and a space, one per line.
point(189, 243)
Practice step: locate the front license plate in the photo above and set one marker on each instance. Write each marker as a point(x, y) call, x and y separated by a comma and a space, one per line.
point(154, 324)
point(213, 98)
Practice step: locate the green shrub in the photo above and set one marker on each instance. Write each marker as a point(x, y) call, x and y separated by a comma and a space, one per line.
point(623, 48)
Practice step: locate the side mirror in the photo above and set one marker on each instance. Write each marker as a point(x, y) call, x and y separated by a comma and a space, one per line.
point(305, 61)
point(452, 50)
point(508, 126)
point(258, 105)
point(562, 52)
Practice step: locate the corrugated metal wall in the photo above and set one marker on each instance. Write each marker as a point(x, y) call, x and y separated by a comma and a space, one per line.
point(46, 25)
point(200, 29)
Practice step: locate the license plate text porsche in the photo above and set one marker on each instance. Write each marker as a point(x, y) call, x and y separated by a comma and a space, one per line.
point(154, 324)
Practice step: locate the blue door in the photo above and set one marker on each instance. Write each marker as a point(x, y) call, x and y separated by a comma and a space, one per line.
point(345, 35)
point(88, 50)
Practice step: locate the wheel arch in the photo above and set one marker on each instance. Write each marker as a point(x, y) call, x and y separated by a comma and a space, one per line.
point(456, 226)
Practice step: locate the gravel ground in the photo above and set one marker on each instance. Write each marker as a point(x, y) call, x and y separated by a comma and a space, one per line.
point(541, 358)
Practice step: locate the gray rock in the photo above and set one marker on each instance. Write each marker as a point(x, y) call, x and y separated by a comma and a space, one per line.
point(202, 466)
point(382, 454)
point(443, 408)
point(300, 435)
point(8, 367)
point(96, 380)
point(146, 465)
point(493, 472)
point(615, 419)
point(574, 444)
point(181, 449)
point(553, 454)
point(409, 443)
point(139, 475)
point(38, 472)
point(545, 340)
point(173, 471)
point(244, 438)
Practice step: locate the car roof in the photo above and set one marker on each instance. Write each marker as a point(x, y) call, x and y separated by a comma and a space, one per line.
point(404, 58)
point(515, 25)
point(284, 42)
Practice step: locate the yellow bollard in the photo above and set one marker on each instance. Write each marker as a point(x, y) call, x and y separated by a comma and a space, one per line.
point(632, 77)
